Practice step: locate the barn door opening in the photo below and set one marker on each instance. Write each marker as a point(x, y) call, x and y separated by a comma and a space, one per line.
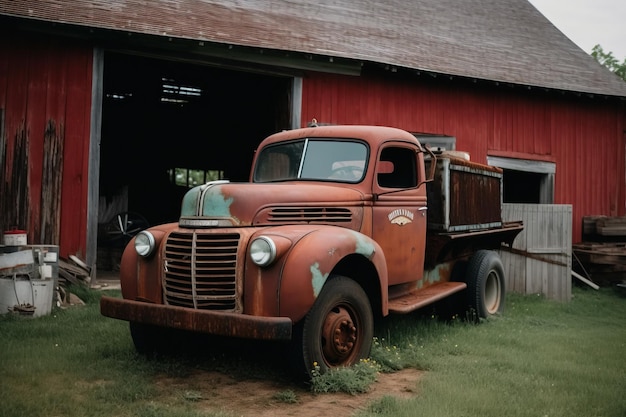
point(526, 181)
point(168, 125)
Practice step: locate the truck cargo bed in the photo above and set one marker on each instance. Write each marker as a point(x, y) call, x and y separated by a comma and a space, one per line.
point(464, 195)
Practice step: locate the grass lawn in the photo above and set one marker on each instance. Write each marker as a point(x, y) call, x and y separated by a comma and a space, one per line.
point(541, 358)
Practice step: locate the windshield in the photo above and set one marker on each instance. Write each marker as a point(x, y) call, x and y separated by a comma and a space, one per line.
point(312, 159)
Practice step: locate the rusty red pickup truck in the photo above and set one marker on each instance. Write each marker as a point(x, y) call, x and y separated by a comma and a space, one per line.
point(337, 226)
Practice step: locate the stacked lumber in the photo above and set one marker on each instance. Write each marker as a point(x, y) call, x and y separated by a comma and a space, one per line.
point(602, 254)
point(612, 226)
point(604, 228)
point(73, 271)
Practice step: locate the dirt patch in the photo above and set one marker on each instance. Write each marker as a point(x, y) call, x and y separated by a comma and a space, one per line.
point(216, 391)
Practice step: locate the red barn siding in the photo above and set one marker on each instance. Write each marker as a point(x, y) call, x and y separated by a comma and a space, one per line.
point(45, 88)
point(583, 136)
point(76, 150)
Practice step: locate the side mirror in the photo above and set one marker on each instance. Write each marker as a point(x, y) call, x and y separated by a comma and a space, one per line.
point(430, 163)
point(385, 167)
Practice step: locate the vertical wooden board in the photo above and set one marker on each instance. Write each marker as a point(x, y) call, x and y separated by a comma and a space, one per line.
point(15, 95)
point(551, 282)
point(541, 137)
point(530, 224)
point(336, 101)
point(4, 80)
point(370, 102)
point(4, 69)
point(546, 235)
point(566, 285)
point(515, 267)
point(515, 271)
point(56, 122)
point(14, 202)
point(326, 94)
point(76, 150)
point(38, 89)
point(310, 86)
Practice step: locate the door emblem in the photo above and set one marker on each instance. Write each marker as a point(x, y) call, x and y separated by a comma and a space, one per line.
point(400, 217)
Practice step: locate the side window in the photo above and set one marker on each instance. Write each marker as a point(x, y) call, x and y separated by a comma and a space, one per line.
point(400, 168)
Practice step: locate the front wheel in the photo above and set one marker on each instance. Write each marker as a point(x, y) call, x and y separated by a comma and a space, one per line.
point(146, 338)
point(150, 340)
point(339, 328)
point(485, 283)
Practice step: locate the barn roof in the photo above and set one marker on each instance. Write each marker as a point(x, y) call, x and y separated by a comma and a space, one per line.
point(506, 41)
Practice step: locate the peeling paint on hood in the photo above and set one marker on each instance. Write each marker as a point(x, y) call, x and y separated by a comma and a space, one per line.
point(242, 203)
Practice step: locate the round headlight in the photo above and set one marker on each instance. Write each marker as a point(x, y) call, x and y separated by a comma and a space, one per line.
point(144, 243)
point(263, 251)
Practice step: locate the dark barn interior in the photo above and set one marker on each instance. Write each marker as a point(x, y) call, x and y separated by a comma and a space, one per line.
point(162, 117)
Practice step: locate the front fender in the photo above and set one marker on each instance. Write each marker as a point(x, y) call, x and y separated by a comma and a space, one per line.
point(312, 260)
point(140, 278)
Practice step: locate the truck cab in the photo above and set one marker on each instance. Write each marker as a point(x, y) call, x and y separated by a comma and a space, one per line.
point(331, 231)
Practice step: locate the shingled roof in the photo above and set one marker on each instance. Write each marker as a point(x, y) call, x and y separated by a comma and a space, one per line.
point(506, 41)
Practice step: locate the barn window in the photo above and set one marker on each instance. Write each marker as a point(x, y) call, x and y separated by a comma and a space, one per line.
point(186, 177)
point(526, 181)
point(175, 92)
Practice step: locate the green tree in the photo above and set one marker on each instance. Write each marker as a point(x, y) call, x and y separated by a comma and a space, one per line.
point(608, 60)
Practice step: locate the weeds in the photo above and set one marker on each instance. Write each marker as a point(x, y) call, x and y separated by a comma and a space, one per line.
point(192, 395)
point(287, 397)
point(352, 380)
point(358, 378)
point(387, 356)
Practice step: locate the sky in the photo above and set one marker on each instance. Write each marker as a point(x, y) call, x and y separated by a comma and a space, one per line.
point(589, 22)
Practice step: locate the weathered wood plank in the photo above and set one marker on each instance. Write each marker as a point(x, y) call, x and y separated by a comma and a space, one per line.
point(51, 183)
point(540, 260)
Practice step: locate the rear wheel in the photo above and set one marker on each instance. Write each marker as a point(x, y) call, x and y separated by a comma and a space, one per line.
point(485, 284)
point(339, 328)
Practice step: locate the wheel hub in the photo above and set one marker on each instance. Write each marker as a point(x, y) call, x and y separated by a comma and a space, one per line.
point(339, 336)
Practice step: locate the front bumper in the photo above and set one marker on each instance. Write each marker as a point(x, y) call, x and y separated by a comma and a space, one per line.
point(201, 321)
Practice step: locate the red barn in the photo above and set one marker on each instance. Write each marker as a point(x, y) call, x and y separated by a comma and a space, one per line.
point(110, 107)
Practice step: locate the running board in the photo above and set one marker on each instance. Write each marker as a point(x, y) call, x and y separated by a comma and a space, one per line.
point(421, 298)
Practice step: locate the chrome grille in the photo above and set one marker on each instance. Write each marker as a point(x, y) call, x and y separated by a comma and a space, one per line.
point(310, 214)
point(200, 271)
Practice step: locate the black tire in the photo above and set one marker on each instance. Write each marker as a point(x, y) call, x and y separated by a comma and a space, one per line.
point(485, 284)
point(342, 310)
point(152, 340)
point(145, 337)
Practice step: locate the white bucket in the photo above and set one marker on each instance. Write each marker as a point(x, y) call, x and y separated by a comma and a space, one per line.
point(22, 291)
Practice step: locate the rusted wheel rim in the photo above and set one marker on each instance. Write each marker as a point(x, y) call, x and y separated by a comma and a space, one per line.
point(492, 293)
point(340, 337)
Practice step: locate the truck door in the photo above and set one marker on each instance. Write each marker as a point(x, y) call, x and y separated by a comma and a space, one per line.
point(399, 216)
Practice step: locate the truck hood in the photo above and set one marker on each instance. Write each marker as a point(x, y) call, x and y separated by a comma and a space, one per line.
point(221, 203)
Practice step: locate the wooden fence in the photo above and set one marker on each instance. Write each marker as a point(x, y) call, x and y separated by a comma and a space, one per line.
point(540, 261)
